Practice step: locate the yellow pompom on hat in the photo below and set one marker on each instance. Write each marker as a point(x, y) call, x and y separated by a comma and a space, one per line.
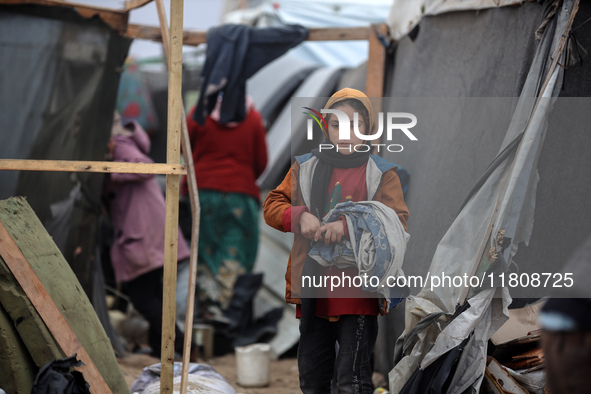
point(349, 93)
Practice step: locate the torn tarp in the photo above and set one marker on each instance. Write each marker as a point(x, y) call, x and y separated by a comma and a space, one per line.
point(489, 228)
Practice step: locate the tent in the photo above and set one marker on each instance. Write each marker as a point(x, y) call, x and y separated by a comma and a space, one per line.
point(481, 194)
point(472, 72)
point(69, 106)
point(501, 56)
point(60, 73)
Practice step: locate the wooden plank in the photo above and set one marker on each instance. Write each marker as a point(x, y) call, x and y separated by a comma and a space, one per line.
point(376, 63)
point(91, 166)
point(116, 19)
point(195, 213)
point(63, 287)
point(16, 364)
point(164, 31)
point(172, 195)
point(133, 4)
point(195, 37)
point(153, 33)
point(339, 33)
point(51, 315)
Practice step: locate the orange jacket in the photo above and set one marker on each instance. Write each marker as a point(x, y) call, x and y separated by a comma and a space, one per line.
point(383, 185)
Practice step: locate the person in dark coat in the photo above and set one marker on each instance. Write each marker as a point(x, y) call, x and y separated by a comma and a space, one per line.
point(566, 338)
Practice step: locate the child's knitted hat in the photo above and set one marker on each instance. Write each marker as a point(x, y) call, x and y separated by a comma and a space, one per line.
point(349, 93)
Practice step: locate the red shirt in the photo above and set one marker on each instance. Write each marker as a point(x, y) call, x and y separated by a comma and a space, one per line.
point(346, 184)
point(228, 159)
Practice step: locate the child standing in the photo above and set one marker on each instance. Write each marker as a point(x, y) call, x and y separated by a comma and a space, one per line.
point(315, 184)
point(137, 209)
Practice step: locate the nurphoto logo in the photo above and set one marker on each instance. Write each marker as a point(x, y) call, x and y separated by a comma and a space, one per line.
point(345, 129)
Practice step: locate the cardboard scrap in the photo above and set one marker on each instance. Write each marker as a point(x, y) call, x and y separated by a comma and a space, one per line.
point(497, 380)
point(522, 326)
point(529, 359)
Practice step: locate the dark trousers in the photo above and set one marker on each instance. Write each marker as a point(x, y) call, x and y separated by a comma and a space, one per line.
point(145, 293)
point(318, 359)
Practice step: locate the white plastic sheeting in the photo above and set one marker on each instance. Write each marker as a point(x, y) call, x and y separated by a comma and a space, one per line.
point(504, 204)
point(272, 85)
point(320, 13)
point(406, 14)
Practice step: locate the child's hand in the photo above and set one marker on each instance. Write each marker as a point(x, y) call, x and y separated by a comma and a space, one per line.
point(309, 224)
point(333, 232)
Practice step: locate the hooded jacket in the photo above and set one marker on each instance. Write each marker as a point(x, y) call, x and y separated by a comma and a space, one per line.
point(382, 184)
point(137, 209)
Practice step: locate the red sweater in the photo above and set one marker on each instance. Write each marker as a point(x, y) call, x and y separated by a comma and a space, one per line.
point(228, 159)
point(344, 185)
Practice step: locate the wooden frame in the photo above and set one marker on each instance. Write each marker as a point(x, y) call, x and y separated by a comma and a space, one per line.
point(197, 37)
point(172, 195)
point(376, 59)
point(173, 42)
point(195, 214)
point(376, 64)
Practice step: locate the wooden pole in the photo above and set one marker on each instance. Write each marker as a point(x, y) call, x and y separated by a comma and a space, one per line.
point(172, 196)
point(49, 312)
point(196, 213)
point(376, 64)
point(163, 31)
point(195, 210)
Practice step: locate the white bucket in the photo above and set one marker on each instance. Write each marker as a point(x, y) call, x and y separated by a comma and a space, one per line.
point(252, 365)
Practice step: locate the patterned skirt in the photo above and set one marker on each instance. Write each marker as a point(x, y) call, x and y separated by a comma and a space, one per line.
point(228, 244)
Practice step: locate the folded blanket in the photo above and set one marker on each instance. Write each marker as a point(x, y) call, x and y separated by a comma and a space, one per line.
point(376, 246)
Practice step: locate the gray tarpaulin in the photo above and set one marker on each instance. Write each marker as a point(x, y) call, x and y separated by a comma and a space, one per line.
point(487, 54)
point(504, 205)
point(458, 54)
point(28, 55)
point(406, 14)
point(58, 84)
point(59, 79)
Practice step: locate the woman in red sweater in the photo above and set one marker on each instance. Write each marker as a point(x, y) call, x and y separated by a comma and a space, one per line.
point(228, 159)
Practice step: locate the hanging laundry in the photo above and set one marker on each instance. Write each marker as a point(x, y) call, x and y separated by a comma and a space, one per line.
point(134, 101)
point(234, 54)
